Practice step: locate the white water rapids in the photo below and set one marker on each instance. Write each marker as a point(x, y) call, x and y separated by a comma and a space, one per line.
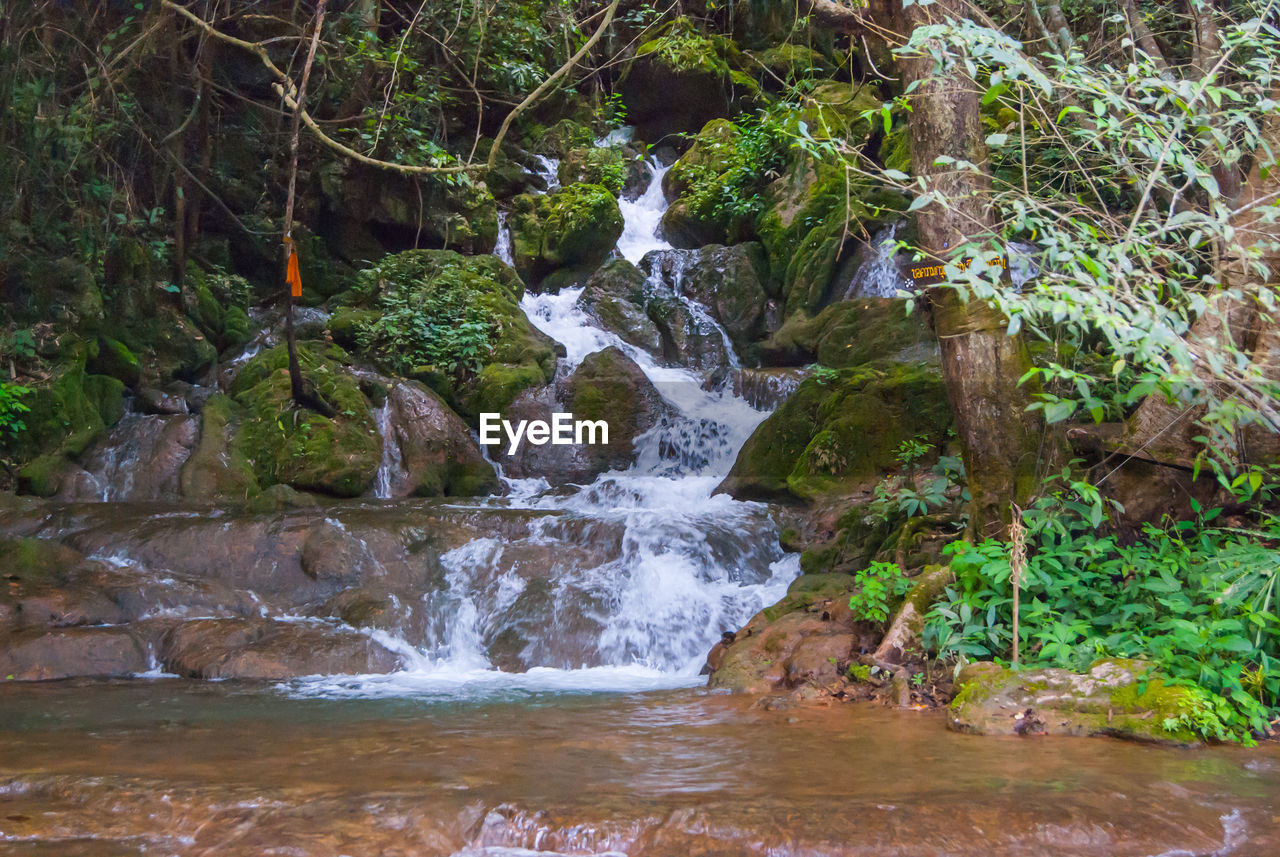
point(652, 567)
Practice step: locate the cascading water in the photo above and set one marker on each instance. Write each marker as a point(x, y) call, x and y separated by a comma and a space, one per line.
point(878, 276)
point(623, 583)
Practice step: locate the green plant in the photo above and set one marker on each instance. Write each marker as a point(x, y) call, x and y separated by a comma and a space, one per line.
point(12, 408)
point(824, 375)
point(440, 322)
point(1196, 600)
point(879, 586)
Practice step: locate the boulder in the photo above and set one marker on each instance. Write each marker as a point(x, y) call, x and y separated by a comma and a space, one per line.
point(730, 282)
point(607, 386)
point(838, 432)
point(336, 455)
point(268, 649)
point(403, 298)
point(431, 450)
point(140, 459)
point(808, 638)
point(596, 165)
point(615, 297)
point(1117, 697)
point(851, 333)
point(41, 655)
point(681, 80)
point(568, 232)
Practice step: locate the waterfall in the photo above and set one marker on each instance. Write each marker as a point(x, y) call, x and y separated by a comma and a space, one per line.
point(624, 583)
point(502, 248)
point(550, 171)
point(878, 276)
point(642, 217)
point(391, 464)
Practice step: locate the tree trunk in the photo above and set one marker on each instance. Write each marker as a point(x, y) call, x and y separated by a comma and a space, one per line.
point(981, 363)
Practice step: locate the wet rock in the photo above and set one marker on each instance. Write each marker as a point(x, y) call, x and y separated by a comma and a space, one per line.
point(808, 638)
point(597, 165)
point(39, 655)
point(569, 232)
point(149, 400)
point(280, 498)
point(837, 432)
point(267, 649)
point(66, 416)
point(729, 281)
point(140, 459)
point(615, 296)
point(113, 358)
point(850, 333)
point(606, 386)
point(1117, 697)
point(434, 453)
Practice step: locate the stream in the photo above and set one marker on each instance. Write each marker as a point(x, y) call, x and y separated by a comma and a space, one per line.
point(550, 696)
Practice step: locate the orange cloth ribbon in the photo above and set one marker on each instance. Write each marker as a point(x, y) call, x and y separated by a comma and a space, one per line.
point(292, 276)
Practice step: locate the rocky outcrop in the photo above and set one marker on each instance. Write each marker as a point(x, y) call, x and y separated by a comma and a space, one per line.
point(606, 386)
point(1117, 697)
point(40, 655)
point(840, 430)
point(432, 451)
point(730, 282)
point(561, 237)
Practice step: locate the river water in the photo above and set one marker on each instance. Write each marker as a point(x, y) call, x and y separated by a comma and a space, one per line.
point(551, 699)
point(167, 767)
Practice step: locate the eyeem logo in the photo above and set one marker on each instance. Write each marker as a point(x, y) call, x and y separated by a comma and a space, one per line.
point(561, 431)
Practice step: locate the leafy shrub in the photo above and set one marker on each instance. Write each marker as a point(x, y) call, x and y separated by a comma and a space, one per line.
point(880, 585)
point(733, 188)
point(12, 408)
point(437, 321)
point(1197, 600)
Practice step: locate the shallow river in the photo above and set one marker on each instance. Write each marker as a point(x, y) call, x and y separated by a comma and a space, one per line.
point(170, 767)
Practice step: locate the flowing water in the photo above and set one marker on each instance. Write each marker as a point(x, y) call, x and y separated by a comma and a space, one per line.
point(551, 700)
point(167, 767)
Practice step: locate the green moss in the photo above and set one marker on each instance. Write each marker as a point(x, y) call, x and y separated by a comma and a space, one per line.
point(114, 359)
point(594, 165)
point(829, 438)
point(218, 467)
point(68, 413)
point(498, 384)
point(37, 561)
point(850, 333)
point(296, 447)
point(561, 138)
point(573, 228)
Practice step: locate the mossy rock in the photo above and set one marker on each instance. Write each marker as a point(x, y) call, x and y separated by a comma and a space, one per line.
point(35, 562)
point(812, 215)
point(520, 355)
point(1117, 697)
point(293, 446)
point(835, 111)
point(574, 228)
point(218, 468)
point(114, 359)
point(130, 289)
point(850, 333)
point(832, 436)
point(686, 225)
point(683, 78)
point(790, 63)
point(367, 207)
point(62, 291)
point(561, 138)
point(615, 297)
point(66, 415)
point(596, 165)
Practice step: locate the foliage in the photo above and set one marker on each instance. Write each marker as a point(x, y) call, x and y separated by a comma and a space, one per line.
point(880, 585)
point(438, 322)
point(730, 185)
point(12, 408)
point(1197, 600)
point(907, 495)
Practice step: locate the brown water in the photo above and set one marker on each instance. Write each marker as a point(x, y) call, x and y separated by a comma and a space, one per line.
point(167, 767)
